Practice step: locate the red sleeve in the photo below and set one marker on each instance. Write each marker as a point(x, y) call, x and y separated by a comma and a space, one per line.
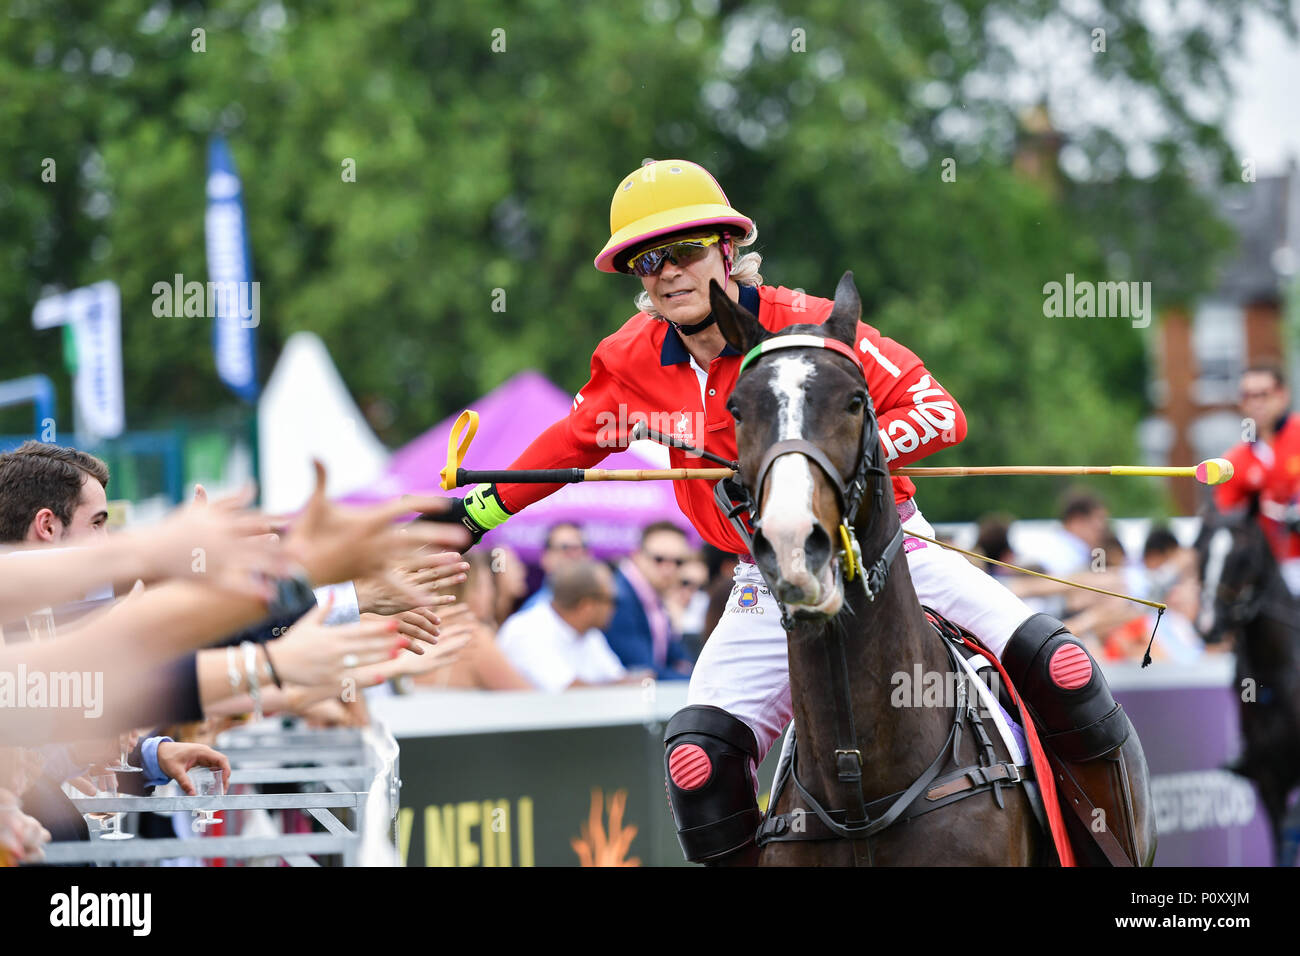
point(582, 440)
point(917, 415)
point(1232, 494)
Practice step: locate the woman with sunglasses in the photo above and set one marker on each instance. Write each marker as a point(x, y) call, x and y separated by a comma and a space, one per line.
point(672, 226)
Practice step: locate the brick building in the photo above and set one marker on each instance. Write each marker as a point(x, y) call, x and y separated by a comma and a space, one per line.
point(1201, 350)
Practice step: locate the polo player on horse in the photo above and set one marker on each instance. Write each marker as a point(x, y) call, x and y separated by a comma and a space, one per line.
point(672, 226)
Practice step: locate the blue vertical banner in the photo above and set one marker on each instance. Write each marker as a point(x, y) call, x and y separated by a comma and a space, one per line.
point(236, 297)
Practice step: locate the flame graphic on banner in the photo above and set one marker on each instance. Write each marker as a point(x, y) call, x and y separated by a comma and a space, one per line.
point(595, 847)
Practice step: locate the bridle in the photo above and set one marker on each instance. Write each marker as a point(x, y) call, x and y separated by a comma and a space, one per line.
point(1251, 601)
point(849, 495)
point(856, 823)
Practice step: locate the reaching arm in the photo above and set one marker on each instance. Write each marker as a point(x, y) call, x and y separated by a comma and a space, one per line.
point(582, 440)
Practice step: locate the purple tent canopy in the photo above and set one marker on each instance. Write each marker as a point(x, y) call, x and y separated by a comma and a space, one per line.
point(611, 513)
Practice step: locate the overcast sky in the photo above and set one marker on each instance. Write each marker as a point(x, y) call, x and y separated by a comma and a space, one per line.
point(1265, 126)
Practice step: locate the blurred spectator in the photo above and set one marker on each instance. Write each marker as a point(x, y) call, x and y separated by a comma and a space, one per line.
point(511, 576)
point(1266, 465)
point(1132, 574)
point(482, 664)
point(1165, 561)
point(1160, 546)
point(1177, 639)
point(1093, 615)
point(558, 645)
point(993, 541)
point(498, 579)
point(688, 603)
point(1083, 530)
point(641, 631)
point(722, 568)
point(564, 543)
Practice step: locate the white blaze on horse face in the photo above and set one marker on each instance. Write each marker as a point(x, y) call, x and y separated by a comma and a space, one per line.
point(1219, 548)
point(787, 517)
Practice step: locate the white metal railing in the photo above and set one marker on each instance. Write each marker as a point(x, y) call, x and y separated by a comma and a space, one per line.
point(342, 769)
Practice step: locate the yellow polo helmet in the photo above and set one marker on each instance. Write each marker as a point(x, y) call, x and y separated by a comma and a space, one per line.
point(661, 198)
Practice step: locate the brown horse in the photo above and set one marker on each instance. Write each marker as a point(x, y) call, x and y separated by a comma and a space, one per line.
point(862, 767)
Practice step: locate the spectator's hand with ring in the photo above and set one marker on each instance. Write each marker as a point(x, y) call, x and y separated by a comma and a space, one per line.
point(313, 654)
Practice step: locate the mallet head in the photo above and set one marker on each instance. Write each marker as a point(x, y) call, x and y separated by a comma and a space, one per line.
point(1214, 471)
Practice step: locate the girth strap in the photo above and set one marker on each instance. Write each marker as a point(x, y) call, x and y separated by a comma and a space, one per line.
point(951, 788)
point(859, 825)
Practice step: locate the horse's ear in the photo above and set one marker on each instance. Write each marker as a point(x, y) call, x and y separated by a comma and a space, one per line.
point(843, 322)
point(738, 325)
point(1252, 507)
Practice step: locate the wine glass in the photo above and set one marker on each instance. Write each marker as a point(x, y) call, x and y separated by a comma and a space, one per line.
point(122, 766)
point(105, 785)
point(207, 783)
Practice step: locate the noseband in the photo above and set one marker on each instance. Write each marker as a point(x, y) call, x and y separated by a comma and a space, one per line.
point(848, 495)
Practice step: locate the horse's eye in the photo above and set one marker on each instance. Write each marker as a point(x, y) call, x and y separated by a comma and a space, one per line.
point(735, 413)
point(856, 402)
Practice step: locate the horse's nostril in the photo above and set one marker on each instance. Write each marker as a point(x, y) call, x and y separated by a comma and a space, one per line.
point(790, 593)
point(817, 549)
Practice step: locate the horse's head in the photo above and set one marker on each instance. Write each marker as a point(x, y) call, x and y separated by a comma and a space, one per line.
point(1236, 565)
point(807, 445)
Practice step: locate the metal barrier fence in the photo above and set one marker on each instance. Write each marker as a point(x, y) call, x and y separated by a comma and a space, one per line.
point(344, 769)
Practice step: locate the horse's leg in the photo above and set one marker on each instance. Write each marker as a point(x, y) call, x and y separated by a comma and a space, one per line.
point(1273, 797)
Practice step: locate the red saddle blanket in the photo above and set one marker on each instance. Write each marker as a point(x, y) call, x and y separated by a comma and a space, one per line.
point(1042, 768)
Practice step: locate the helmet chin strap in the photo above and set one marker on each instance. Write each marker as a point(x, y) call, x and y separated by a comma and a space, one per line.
point(697, 327)
point(709, 319)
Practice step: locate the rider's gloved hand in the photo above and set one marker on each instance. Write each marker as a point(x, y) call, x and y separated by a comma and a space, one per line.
point(479, 511)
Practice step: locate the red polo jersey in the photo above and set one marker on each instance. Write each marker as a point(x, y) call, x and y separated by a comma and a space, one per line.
point(1273, 473)
point(644, 370)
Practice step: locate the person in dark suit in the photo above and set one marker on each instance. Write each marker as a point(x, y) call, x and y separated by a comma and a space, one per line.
point(640, 632)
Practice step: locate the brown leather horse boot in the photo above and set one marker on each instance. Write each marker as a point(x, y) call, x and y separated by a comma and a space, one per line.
point(1100, 770)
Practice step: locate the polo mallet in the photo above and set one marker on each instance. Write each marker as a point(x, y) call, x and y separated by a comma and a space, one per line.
point(1212, 471)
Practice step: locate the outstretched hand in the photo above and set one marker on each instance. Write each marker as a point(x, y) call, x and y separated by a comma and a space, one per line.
point(335, 542)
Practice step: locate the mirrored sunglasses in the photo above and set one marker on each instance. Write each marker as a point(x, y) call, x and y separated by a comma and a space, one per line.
point(681, 252)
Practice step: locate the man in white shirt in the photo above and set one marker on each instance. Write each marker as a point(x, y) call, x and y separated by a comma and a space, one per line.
point(1084, 524)
point(558, 644)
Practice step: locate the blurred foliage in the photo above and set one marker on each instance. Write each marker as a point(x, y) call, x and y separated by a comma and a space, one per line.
point(479, 170)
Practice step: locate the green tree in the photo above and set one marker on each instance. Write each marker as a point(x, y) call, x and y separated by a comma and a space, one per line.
point(486, 139)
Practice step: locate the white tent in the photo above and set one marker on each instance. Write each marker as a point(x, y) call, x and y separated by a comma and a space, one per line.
point(305, 412)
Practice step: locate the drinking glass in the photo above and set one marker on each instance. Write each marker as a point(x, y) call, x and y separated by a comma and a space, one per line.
point(105, 785)
point(207, 783)
point(122, 766)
